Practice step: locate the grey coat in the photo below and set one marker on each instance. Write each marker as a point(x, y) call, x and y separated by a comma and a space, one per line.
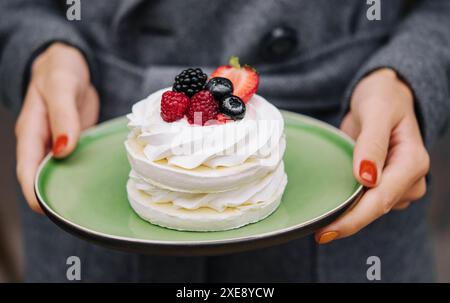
point(135, 47)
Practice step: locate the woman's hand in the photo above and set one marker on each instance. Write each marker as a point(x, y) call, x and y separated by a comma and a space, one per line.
point(60, 101)
point(389, 157)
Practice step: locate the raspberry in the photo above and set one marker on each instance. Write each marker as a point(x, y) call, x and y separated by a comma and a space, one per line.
point(204, 105)
point(173, 106)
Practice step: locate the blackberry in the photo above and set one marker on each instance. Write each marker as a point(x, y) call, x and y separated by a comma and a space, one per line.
point(190, 81)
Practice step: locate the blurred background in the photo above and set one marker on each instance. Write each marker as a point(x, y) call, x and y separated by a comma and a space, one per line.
point(11, 265)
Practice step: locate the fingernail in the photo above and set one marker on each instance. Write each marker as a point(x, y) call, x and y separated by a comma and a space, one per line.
point(60, 144)
point(368, 172)
point(327, 237)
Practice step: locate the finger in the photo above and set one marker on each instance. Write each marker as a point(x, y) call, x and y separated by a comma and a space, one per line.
point(33, 137)
point(371, 149)
point(349, 126)
point(417, 191)
point(89, 108)
point(402, 205)
point(398, 177)
point(411, 140)
point(61, 98)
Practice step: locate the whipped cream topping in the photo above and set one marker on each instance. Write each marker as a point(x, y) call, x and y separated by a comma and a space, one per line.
point(257, 136)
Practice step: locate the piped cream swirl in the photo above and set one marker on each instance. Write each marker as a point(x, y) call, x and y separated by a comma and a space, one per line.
point(256, 136)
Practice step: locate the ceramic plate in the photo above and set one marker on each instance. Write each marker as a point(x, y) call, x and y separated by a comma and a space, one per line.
point(85, 193)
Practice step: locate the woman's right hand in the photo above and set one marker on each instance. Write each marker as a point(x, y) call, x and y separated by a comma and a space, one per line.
point(60, 102)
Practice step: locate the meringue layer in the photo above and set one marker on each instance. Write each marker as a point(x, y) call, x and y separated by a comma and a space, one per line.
point(203, 218)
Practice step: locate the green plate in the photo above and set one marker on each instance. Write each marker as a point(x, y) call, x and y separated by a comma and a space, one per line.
point(85, 193)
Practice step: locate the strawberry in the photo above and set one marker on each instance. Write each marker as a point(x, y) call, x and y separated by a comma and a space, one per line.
point(222, 119)
point(245, 79)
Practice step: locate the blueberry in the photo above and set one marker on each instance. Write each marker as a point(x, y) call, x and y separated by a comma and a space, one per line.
point(220, 87)
point(233, 107)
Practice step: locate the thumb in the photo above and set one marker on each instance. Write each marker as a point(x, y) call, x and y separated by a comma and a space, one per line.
point(64, 119)
point(371, 149)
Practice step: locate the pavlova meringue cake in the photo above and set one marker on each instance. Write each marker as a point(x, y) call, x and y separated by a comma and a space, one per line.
point(206, 156)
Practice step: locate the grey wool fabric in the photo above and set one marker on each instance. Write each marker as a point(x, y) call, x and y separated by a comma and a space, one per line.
point(135, 47)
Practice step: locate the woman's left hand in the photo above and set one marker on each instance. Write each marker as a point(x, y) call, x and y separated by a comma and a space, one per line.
point(389, 157)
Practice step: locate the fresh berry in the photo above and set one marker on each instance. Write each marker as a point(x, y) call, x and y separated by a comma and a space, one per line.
point(220, 87)
point(233, 107)
point(203, 108)
point(222, 119)
point(173, 106)
point(245, 79)
point(190, 81)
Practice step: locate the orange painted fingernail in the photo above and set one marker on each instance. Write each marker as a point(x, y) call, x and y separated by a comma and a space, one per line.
point(368, 172)
point(328, 237)
point(60, 144)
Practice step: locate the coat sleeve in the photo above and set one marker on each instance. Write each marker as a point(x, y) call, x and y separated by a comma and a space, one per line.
point(27, 27)
point(419, 51)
